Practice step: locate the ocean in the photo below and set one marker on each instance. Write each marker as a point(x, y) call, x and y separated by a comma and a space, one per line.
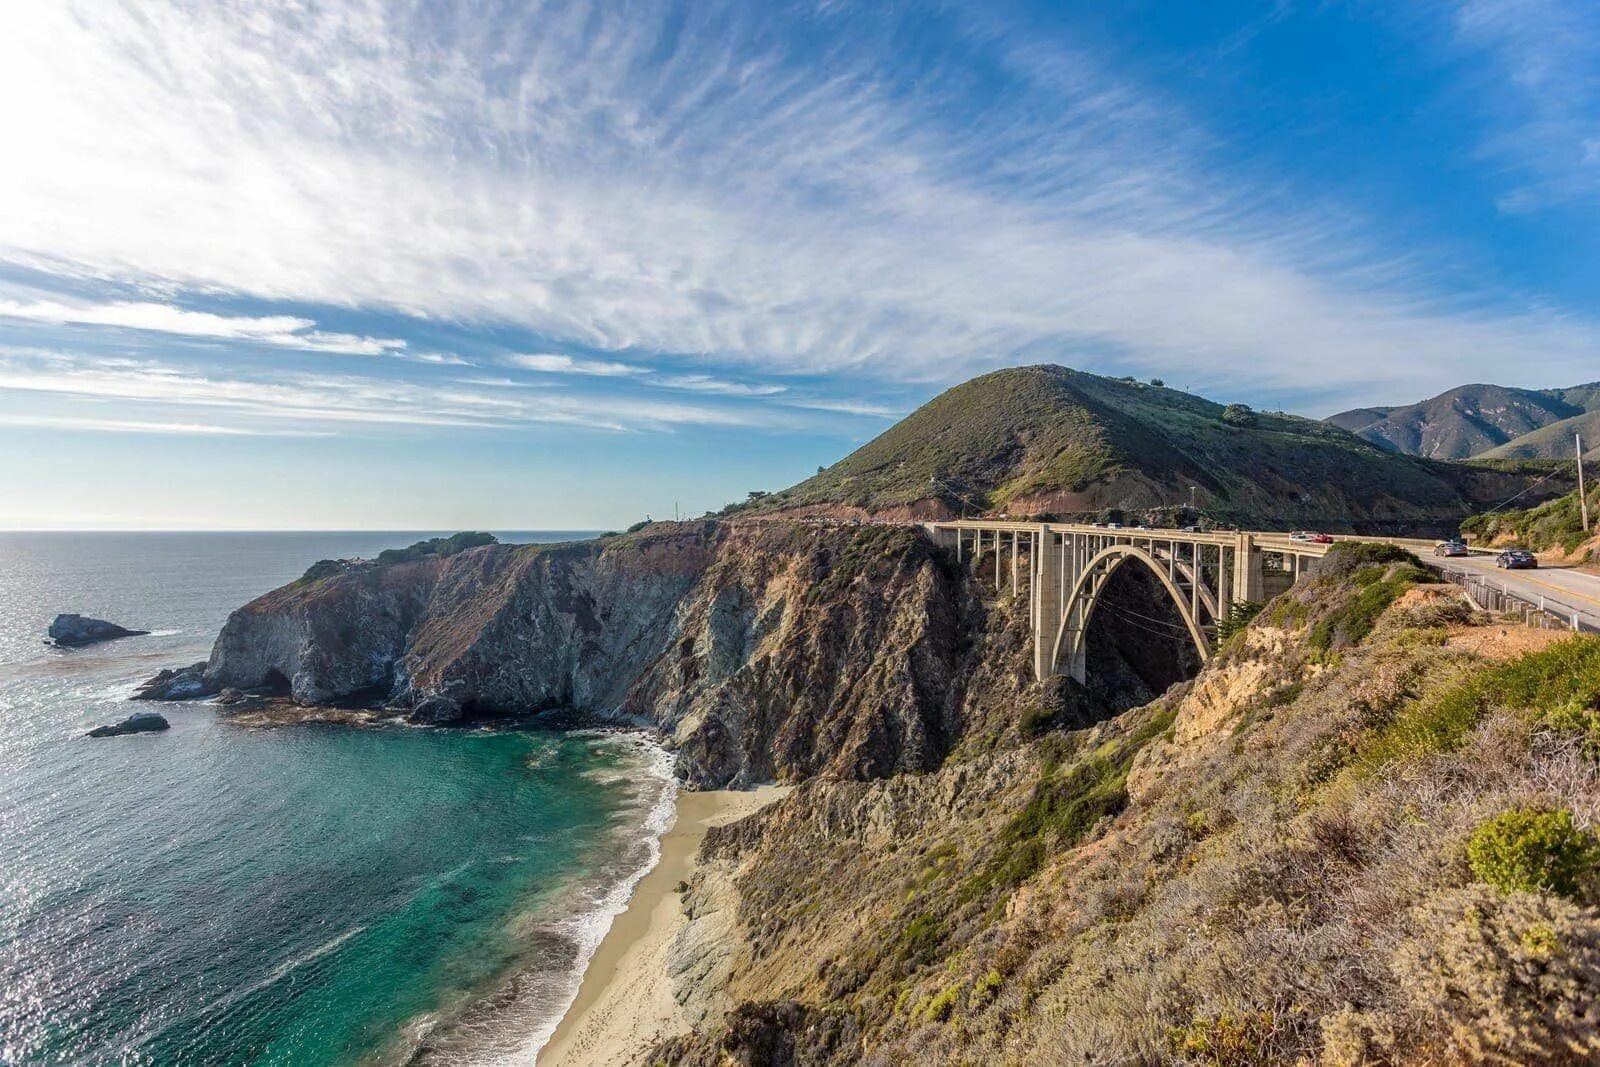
point(299, 895)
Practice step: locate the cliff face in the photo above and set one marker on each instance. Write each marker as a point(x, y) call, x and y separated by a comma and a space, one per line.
point(1291, 860)
point(768, 651)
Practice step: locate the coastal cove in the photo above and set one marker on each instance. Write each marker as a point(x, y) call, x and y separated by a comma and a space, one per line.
point(304, 893)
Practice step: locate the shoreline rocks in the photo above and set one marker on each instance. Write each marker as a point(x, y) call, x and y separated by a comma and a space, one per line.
point(182, 683)
point(140, 722)
point(75, 631)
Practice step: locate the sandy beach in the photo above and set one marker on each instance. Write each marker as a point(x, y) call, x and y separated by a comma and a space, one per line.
point(625, 1002)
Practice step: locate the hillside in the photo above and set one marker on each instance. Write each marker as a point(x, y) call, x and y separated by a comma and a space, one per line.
point(1365, 834)
point(1554, 526)
point(1049, 440)
point(1554, 441)
point(1473, 420)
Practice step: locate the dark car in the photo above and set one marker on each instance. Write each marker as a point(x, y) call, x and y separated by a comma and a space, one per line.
point(1453, 547)
point(1517, 559)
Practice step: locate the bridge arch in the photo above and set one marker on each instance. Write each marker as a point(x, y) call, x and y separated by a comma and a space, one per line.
point(1069, 655)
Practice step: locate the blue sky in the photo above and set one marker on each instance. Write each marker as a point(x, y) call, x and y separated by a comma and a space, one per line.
point(465, 264)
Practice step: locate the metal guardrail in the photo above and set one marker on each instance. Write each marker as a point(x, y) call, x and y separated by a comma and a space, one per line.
point(1543, 612)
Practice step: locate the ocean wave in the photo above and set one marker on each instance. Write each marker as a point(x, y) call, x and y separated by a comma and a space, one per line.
point(514, 1023)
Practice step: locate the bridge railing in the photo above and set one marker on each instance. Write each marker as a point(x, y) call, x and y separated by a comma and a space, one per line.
point(1542, 611)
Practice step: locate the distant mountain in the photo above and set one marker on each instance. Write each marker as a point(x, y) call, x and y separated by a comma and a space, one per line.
point(1050, 440)
point(1358, 419)
point(1554, 441)
point(1469, 420)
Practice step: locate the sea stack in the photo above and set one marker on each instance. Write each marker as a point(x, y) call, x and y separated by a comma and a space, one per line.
point(142, 722)
point(74, 631)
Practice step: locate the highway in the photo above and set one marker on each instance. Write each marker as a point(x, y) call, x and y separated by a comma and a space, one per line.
point(1563, 589)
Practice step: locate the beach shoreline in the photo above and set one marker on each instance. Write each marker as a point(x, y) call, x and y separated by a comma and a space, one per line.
point(625, 1003)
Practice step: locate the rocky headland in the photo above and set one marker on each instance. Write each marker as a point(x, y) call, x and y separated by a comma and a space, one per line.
point(763, 650)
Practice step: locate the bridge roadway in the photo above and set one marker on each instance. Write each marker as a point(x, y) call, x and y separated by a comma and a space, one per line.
point(1204, 573)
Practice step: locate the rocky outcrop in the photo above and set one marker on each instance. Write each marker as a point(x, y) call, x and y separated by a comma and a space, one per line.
point(75, 631)
point(766, 650)
point(183, 683)
point(142, 722)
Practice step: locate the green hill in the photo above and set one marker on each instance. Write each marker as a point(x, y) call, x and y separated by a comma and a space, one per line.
point(1472, 420)
point(1050, 440)
point(1467, 420)
point(1554, 441)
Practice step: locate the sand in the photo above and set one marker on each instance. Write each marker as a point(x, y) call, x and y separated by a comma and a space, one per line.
point(625, 1002)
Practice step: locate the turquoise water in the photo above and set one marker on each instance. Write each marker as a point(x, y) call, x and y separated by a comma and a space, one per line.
point(307, 894)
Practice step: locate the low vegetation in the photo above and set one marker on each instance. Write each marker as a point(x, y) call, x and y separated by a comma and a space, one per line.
point(440, 547)
point(1556, 524)
point(1350, 841)
point(1050, 440)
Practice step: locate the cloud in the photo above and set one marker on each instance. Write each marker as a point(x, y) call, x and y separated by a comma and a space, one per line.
point(705, 383)
point(285, 330)
point(112, 425)
point(547, 363)
point(310, 400)
point(1543, 105)
point(708, 181)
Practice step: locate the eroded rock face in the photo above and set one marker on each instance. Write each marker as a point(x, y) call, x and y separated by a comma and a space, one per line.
point(184, 683)
point(75, 631)
point(768, 651)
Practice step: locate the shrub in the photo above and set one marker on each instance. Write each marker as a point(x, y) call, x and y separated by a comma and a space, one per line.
point(1550, 680)
point(1240, 614)
point(1238, 415)
point(1502, 979)
point(1575, 718)
point(942, 1004)
point(919, 941)
point(323, 568)
point(1228, 1038)
point(437, 546)
point(1531, 850)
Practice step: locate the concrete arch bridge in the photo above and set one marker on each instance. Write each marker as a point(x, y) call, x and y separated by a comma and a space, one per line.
point(1067, 566)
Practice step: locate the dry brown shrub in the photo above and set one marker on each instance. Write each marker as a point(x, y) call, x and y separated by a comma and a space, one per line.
point(1504, 979)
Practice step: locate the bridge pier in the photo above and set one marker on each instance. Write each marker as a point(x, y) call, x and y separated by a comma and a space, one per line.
point(1048, 589)
point(1249, 584)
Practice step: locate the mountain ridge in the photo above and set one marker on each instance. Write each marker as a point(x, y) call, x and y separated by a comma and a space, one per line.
point(1050, 440)
point(1479, 420)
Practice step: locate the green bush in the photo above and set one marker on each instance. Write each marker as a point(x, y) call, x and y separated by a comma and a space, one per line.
point(942, 1004)
point(919, 941)
point(1238, 415)
point(1540, 683)
point(1240, 614)
point(1575, 718)
point(437, 546)
point(1530, 850)
point(322, 568)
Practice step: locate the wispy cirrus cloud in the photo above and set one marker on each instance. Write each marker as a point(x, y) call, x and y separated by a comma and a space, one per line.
point(1544, 104)
point(285, 330)
point(551, 363)
point(764, 187)
point(261, 404)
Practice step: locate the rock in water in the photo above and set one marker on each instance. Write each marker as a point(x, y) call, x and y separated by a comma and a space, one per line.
point(73, 631)
point(142, 722)
point(184, 683)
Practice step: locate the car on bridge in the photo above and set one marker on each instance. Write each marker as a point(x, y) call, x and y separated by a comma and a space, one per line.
point(1517, 559)
point(1453, 547)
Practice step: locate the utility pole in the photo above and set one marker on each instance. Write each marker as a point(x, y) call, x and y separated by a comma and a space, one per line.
point(1583, 500)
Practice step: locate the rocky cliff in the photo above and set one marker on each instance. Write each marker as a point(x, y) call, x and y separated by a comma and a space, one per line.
point(1366, 833)
point(766, 650)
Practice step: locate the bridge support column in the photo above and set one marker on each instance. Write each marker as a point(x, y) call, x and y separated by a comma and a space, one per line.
point(1249, 583)
point(1046, 592)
